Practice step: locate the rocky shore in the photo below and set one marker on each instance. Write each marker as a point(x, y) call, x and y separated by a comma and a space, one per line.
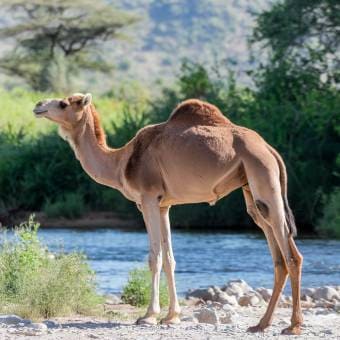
point(212, 313)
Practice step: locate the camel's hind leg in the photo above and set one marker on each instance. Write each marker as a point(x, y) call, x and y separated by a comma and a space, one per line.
point(266, 191)
point(280, 268)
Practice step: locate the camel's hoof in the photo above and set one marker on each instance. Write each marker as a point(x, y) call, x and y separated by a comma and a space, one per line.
point(256, 329)
point(171, 320)
point(292, 330)
point(149, 320)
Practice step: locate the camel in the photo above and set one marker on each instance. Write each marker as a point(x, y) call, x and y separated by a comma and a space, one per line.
point(197, 155)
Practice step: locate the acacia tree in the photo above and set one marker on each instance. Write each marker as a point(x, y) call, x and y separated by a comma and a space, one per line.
point(57, 36)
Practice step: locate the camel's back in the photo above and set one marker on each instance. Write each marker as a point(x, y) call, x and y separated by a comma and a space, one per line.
point(196, 112)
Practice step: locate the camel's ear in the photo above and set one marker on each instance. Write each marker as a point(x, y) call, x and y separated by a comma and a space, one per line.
point(87, 99)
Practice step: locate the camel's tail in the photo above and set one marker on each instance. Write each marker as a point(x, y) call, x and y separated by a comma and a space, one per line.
point(290, 220)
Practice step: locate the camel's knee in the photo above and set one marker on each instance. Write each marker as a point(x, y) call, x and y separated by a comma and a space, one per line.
point(169, 262)
point(295, 262)
point(155, 260)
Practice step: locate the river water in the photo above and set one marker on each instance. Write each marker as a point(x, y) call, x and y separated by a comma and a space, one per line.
point(203, 259)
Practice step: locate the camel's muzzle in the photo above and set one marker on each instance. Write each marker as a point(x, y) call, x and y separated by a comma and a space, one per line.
point(39, 109)
point(39, 112)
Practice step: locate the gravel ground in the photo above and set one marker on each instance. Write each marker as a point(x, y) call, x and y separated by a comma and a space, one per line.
point(319, 323)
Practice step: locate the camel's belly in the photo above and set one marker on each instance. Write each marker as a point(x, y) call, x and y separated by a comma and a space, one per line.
point(198, 165)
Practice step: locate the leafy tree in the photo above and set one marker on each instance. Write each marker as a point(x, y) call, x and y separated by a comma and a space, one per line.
point(56, 38)
point(305, 33)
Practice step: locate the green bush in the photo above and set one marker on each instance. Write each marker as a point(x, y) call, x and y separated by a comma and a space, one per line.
point(71, 205)
point(35, 283)
point(137, 291)
point(329, 224)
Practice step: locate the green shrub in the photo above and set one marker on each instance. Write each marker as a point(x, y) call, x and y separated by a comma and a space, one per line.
point(137, 291)
point(71, 205)
point(35, 283)
point(329, 224)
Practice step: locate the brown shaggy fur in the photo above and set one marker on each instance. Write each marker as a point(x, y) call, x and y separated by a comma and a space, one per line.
point(98, 130)
point(195, 111)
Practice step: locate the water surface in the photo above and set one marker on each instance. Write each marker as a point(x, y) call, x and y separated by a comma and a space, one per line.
point(203, 259)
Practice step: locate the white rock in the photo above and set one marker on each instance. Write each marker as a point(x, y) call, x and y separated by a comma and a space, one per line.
point(214, 305)
point(189, 319)
point(11, 319)
point(51, 324)
point(226, 318)
point(224, 298)
point(207, 315)
point(228, 308)
point(265, 293)
point(204, 294)
point(113, 299)
point(40, 327)
point(248, 300)
point(324, 304)
point(337, 307)
point(327, 293)
point(307, 292)
point(237, 288)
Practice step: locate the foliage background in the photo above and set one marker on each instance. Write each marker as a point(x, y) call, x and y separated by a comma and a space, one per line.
point(292, 101)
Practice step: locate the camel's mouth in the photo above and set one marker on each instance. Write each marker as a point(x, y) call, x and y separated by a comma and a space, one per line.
point(39, 112)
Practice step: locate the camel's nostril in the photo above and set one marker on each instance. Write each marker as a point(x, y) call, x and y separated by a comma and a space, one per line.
point(39, 103)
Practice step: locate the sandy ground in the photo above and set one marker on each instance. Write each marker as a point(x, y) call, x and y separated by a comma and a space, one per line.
point(318, 324)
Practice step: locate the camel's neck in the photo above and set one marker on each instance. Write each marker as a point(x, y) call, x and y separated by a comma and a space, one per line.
point(99, 162)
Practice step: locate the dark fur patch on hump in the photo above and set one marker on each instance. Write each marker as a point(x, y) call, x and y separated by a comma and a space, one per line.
point(140, 144)
point(194, 111)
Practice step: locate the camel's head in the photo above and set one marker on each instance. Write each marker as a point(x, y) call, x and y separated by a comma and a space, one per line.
point(66, 112)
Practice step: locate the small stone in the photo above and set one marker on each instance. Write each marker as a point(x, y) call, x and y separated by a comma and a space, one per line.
point(215, 305)
point(307, 292)
point(192, 301)
point(11, 319)
point(51, 324)
point(113, 299)
point(324, 304)
point(323, 311)
point(248, 300)
point(189, 319)
point(224, 298)
point(327, 293)
point(237, 288)
point(40, 327)
point(204, 294)
point(227, 317)
point(228, 308)
point(207, 315)
point(337, 307)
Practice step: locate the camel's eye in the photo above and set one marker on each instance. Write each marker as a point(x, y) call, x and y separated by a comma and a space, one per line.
point(62, 104)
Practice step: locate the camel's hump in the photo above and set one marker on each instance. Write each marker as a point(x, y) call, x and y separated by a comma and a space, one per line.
point(195, 111)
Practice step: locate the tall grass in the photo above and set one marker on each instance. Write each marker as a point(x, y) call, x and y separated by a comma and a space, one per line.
point(35, 283)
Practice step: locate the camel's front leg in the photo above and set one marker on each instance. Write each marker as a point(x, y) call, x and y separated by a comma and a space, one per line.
point(151, 215)
point(169, 268)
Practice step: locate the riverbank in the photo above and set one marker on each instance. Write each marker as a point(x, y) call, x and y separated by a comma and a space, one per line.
point(90, 220)
point(319, 323)
point(212, 313)
point(316, 326)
